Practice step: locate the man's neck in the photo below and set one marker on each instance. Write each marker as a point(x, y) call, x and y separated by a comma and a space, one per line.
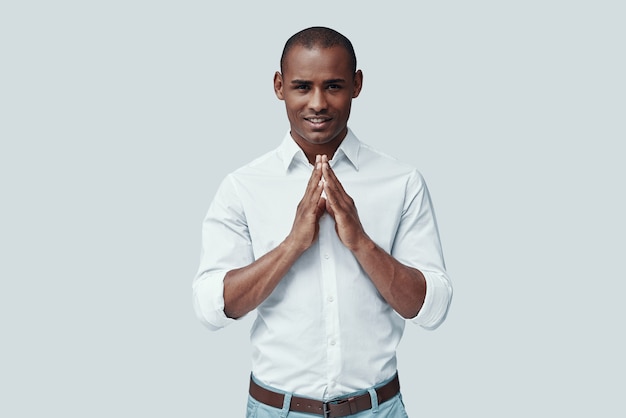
point(328, 149)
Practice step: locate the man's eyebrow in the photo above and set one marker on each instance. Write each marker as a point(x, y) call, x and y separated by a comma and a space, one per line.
point(331, 81)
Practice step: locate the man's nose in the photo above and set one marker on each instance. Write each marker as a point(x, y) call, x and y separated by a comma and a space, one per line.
point(317, 101)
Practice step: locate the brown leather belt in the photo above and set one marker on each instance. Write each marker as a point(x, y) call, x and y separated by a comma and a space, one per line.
point(340, 407)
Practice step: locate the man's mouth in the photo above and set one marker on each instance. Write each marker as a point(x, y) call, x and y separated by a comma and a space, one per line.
point(317, 120)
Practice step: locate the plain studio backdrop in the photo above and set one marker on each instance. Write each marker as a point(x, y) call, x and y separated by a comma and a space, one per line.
point(118, 120)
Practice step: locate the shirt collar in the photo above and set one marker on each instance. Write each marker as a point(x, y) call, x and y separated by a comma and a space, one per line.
point(289, 151)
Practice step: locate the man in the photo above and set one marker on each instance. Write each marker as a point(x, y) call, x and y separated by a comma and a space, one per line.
point(332, 286)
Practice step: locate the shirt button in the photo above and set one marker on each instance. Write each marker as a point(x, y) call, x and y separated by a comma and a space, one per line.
point(331, 299)
point(326, 256)
point(332, 342)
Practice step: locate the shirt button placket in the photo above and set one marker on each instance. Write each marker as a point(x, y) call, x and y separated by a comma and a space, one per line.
point(326, 237)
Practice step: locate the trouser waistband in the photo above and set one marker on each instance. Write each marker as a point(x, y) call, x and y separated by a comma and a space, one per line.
point(335, 408)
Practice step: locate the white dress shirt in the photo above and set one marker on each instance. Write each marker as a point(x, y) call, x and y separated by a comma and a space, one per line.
point(325, 330)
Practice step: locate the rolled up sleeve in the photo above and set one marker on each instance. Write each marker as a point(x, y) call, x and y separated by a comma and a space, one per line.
point(226, 246)
point(418, 245)
point(208, 300)
point(437, 301)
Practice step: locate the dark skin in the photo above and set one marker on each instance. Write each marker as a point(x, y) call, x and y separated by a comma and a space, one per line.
point(318, 86)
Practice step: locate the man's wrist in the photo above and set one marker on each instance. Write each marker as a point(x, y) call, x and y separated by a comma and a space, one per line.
point(291, 248)
point(363, 246)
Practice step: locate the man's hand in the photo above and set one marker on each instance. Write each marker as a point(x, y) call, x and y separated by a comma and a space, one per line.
point(310, 209)
point(246, 287)
point(403, 287)
point(341, 207)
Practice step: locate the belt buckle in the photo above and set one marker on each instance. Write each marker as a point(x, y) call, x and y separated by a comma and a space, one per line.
point(349, 401)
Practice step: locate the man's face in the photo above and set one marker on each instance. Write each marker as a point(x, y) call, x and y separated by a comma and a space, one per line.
point(318, 86)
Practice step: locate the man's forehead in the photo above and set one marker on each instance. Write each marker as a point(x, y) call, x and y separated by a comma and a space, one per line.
point(329, 60)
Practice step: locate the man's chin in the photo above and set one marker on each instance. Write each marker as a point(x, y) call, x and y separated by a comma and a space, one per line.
point(316, 138)
point(321, 138)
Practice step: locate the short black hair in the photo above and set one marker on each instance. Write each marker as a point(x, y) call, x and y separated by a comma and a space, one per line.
point(319, 36)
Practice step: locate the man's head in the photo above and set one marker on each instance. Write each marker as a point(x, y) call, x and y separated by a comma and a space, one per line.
point(321, 37)
point(317, 82)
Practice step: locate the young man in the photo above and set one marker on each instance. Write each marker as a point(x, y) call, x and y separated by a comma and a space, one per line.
point(332, 286)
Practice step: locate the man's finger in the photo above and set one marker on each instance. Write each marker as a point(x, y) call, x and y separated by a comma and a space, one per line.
point(333, 188)
point(329, 175)
point(316, 176)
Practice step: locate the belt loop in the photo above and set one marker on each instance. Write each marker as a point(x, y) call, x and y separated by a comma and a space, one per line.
point(286, 405)
point(374, 397)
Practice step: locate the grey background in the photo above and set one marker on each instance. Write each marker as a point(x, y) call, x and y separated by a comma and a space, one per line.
point(118, 120)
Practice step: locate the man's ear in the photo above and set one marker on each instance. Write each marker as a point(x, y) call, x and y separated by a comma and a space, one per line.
point(358, 83)
point(278, 86)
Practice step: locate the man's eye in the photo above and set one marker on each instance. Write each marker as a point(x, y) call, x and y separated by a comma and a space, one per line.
point(334, 86)
point(302, 87)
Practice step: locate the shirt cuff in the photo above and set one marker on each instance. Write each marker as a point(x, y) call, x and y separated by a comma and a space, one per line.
point(208, 301)
point(436, 303)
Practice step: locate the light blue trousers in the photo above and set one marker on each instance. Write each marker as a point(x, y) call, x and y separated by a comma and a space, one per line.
point(393, 408)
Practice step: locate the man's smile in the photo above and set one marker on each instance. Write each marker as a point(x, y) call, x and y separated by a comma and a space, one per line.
point(317, 120)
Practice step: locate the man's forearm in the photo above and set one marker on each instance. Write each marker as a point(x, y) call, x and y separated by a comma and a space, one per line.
point(245, 288)
point(403, 287)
